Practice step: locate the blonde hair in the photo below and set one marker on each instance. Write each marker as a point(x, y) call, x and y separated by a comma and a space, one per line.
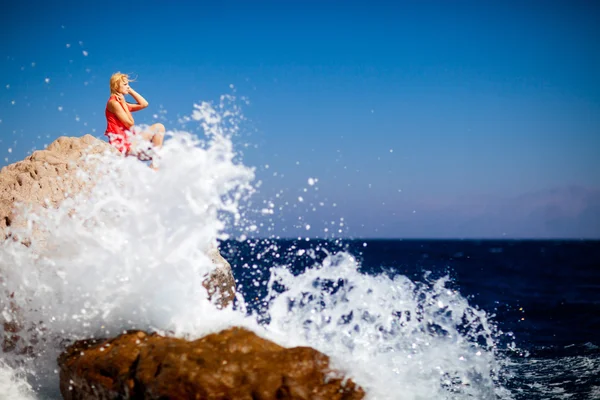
point(117, 78)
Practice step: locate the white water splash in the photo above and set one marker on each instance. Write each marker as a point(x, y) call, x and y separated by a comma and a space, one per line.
point(396, 338)
point(13, 384)
point(132, 254)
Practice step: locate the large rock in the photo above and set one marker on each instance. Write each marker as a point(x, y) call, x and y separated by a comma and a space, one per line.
point(232, 364)
point(45, 179)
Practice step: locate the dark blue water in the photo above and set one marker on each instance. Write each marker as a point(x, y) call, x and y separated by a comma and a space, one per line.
point(546, 292)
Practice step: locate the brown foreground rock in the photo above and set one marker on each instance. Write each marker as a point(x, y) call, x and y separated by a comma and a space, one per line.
point(232, 364)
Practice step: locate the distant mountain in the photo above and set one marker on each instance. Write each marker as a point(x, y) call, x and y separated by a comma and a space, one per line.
point(569, 212)
point(564, 212)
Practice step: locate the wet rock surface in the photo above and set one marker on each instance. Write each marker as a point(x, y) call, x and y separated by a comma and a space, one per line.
point(232, 364)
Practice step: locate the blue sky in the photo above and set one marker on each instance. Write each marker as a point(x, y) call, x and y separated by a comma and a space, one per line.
point(419, 118)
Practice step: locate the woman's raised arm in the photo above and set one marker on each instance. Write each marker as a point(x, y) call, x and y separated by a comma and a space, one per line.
point(141, 101)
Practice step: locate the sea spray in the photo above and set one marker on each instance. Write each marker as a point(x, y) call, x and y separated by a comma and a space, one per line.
point(131, 253)
point(13, 384)
point(395, 337)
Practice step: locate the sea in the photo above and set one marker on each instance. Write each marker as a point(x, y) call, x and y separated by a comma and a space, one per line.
point(541, 296)
point(404, 319)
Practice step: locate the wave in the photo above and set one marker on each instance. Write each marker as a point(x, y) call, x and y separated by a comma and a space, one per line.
point(132, 254)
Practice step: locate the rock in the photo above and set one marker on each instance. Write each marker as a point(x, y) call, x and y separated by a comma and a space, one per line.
point(232, 364)
point(220, 285)
point(45, 179)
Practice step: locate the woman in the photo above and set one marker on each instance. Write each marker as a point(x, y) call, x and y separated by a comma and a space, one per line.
point(120, 121)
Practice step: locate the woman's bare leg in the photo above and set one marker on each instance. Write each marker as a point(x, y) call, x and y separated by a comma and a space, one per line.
point(156, 135)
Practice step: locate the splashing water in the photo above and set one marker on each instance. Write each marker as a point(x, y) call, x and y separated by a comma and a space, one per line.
point(396, 338)
point(13, 385)
point(131, 254)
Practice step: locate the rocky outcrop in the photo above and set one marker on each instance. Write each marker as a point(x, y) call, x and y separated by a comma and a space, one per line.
point(232, 364)
point(45, 179)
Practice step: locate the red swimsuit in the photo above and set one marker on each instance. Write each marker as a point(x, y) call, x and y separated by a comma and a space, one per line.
point(117, 132)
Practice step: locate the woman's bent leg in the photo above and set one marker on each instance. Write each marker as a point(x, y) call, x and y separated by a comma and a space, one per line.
point(159, 134)
point(155, 134)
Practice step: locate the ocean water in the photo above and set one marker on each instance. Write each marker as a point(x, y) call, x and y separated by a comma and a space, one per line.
point(404, 319)
point(543, 295)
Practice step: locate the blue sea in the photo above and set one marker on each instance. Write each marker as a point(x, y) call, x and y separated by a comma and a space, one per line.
point(543, 294)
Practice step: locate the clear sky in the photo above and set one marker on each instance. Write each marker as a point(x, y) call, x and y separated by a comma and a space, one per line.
point(419, 118)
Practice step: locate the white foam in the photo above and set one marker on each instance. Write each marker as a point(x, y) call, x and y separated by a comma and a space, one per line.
point(13, 384)
point(396, 338)
point(132, 254)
